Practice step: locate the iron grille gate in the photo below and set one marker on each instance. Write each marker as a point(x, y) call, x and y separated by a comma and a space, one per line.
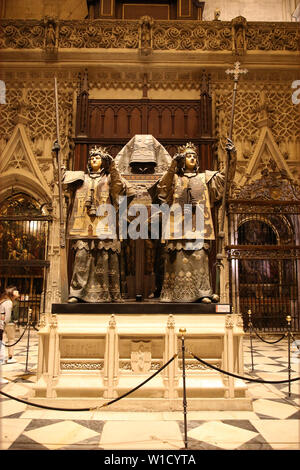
point(24, 235)
point(264, 254)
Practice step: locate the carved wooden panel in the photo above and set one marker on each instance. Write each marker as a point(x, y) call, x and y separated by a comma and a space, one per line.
point(157, 9)
point(113, 123)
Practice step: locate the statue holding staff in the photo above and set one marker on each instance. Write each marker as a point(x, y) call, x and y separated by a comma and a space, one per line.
point(186, 261)
point(92, 228)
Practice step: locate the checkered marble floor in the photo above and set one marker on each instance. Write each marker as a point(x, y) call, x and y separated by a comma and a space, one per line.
point(272, 425)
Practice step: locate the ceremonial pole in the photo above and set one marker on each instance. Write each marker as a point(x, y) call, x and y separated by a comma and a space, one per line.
point(62, 235)
point(182, 331)
point(237, 71)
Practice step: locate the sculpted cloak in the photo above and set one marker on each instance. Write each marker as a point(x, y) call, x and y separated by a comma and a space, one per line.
point(96, 273)
point(186, 271)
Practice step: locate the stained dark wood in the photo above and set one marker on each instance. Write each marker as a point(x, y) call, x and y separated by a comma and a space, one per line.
point(172, 122)
point(157, 9)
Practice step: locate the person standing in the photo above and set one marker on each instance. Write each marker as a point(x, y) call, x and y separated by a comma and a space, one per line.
point(7, 299)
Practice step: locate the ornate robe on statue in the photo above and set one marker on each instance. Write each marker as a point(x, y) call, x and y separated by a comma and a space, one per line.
point(186, 270)
point(96, 273)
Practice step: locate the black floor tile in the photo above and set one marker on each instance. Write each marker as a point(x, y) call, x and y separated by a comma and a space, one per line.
point(240, 423)
point(96, 425)
point(25, 443)
point(40, 423)
point(91, 443)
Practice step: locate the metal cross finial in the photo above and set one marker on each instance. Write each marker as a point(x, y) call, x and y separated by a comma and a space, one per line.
point(236, 71)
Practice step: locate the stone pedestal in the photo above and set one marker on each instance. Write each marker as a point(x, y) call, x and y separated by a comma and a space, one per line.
point(89, 356)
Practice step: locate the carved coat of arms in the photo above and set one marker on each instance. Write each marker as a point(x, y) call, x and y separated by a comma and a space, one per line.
point(141, 356)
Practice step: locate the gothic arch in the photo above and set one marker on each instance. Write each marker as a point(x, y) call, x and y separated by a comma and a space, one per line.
point(20, 170)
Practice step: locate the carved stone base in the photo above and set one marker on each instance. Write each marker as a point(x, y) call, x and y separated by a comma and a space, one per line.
point(99, 357)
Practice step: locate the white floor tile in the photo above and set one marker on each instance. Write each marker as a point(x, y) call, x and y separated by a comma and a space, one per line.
point(221, 435)
point(274, 409)
point(10, 431)
point(279, 434)
point(60, 434)
point(141, 435)
point(9, 407)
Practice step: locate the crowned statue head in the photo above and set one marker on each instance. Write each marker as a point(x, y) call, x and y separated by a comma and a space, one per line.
point(189, 161)
point(98, 160)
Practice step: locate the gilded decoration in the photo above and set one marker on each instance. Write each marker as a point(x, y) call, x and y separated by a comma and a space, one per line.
point(165, 35)
point(99, 34)
point(16, 34)
point(285, 116)
point(273, 185)
point(32, 98)
point(260, 254)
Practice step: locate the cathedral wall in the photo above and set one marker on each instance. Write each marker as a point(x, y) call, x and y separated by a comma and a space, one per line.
point(37, 9)
point(123, 72)
point(253, 10)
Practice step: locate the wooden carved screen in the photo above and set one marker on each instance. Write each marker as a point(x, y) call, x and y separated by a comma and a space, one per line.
point(134, 9)
point(112, 123)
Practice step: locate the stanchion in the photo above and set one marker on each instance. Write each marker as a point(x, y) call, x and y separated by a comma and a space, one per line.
point(289, 319)
point(27, 371)
point(28, 341)
point(251, 345)
point(182, 331)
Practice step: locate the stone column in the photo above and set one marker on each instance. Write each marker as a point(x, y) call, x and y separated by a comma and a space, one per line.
point(42, 335)
point(240, 348)
point(52, 362)
point(111, 357)
point(170, 350)
point(229, 324)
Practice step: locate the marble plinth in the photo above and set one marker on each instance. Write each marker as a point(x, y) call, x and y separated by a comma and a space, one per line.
point(98, 352)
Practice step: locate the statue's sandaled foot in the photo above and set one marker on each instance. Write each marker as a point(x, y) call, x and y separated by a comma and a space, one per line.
point(215, 298)
point(72, 300)
point(206, 300)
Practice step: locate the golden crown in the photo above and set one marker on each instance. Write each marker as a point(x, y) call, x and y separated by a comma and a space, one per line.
point(97, 151)
point(185, 148)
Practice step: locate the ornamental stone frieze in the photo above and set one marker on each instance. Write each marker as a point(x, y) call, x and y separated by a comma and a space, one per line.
point(263, 254)
point(237, 36)
point(31, 103)
point(285, 117)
